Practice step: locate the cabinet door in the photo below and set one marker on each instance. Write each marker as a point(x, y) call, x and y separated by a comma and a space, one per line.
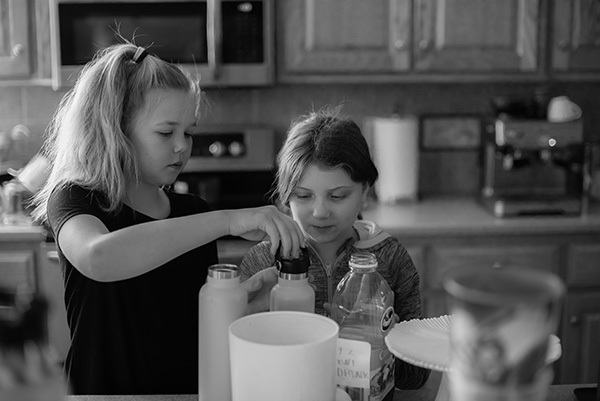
point(581, 339)
point(344, 36)
point(444, 258)
point(576, 42)
point(474, 35)
point(583, 269)
point(15, 57)
point(17, 270)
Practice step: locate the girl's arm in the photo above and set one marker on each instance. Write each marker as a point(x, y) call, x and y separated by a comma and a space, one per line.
point(111, 256)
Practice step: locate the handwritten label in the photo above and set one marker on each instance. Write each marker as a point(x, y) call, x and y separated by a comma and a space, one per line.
point(353, 363)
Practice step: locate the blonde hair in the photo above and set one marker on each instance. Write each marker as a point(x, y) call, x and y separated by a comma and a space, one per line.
point(88, 138)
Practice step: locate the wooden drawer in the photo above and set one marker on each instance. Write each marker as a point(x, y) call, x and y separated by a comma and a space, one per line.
point(17, 268)
point(443, 258)
point(583, 268)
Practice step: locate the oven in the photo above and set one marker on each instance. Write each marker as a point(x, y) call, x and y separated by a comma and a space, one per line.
point(231, 167)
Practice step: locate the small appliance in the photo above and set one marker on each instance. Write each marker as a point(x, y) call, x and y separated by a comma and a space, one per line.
point(225, 42)
point(532, 167)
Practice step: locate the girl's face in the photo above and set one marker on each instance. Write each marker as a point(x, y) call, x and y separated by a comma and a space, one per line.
point(325, 204)
point(161, 135)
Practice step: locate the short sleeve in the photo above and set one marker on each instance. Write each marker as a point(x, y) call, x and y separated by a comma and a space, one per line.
point(70, 201)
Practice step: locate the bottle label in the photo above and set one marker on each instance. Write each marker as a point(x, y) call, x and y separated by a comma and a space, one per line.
point(364, 372)
point(353, 363)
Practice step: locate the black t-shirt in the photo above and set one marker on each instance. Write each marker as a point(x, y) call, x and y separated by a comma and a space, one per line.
point(134, 336)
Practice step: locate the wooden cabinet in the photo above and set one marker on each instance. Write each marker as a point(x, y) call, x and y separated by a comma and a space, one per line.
point(344, 36)
point(387, 40)
point(580, 337)
point(15, 44)
point(18, 257)
point(581, 319)
point(575, 44)
point(574, 257)
point(483, 36)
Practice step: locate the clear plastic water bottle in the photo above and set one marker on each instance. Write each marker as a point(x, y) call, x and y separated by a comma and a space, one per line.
point(221, 301)
point(363, 307)
point(292, 291)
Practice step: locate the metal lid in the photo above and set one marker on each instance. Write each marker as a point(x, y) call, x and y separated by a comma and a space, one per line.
point(223, 271)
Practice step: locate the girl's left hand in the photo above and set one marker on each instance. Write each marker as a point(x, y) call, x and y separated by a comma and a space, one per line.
point(259, 288)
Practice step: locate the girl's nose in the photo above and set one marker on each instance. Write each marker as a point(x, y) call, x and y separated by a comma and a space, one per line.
point(320, 209)
point(182, 143)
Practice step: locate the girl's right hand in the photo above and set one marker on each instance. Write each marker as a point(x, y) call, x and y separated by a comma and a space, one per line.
point(267, 223)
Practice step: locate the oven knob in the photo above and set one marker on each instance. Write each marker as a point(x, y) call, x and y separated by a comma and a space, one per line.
point(236, 149)
point(217, 149)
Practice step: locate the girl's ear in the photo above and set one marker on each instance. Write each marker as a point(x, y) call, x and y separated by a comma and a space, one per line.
point(365, 196)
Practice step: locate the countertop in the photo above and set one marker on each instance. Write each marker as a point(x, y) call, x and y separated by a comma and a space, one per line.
point(556, 393)
point(14, 233)
point(466, 216)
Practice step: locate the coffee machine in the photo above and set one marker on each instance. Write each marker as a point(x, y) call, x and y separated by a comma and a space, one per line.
point(532, 167)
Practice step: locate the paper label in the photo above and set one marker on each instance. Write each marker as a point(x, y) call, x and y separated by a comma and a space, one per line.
point(353, 363)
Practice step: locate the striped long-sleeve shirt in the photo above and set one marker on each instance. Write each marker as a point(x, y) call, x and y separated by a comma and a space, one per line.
point(394, 264)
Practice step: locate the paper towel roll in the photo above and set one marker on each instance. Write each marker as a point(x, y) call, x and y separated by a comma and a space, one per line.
point(395, 143)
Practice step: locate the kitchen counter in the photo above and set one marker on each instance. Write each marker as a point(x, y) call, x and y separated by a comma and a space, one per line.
point(466, 216)
point(14, 233)
point(556, 393)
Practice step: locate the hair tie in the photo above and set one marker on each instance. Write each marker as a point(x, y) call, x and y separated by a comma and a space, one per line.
point(140, 55)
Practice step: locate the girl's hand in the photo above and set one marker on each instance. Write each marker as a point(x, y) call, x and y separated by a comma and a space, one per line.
point(259, 290)
point(262, 223)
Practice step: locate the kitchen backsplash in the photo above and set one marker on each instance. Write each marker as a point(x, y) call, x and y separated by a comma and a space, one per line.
point(442, 172)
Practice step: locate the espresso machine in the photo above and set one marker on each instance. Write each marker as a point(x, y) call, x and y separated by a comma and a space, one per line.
point(532, 167)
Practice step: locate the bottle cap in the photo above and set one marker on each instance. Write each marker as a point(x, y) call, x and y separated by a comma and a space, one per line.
point(299, 265)
point(223, 271)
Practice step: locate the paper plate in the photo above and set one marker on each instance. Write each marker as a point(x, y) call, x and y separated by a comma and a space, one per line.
point(426, 343)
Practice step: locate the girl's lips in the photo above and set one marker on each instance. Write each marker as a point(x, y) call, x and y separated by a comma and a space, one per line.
point(322, 228)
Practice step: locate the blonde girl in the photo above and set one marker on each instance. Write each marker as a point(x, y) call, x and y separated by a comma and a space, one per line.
point(133, 253)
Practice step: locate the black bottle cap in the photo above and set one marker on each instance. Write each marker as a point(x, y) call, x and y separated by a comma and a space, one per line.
point(293, 266)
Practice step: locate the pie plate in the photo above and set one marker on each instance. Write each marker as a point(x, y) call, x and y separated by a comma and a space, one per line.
point(426, 343)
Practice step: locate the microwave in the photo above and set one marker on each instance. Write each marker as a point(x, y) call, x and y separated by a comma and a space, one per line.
point(224, 42)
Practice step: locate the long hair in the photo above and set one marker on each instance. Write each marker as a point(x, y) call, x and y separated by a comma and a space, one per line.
point(329, 139)
point(87, 141)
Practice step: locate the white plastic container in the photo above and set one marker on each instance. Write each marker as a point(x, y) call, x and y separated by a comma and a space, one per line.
point(222, 300)
point(292, 291)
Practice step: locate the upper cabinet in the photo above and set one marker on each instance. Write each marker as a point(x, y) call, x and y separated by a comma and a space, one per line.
point(576, 36)
point(436, 40)
point(344, 36)
point(15, 43)
point(24, 42)
point(476, 36)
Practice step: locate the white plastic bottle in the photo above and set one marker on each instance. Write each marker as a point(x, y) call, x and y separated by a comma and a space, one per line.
point(292, 291)
point(221, 301)
point(363, 306)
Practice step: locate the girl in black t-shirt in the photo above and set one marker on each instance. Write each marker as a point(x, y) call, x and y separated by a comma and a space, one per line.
point(134, 255)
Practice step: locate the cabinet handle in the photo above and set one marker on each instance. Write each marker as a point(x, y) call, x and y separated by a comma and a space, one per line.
point(564, 45)
point(400, 44)
point(52, 255)
point(17, 49)
point(574, 320)
point(424, 44)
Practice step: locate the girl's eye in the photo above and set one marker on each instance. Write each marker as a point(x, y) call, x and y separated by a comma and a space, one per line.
point(338, 197)
point(166, 133)
point(187, 135)
point(302, 196)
